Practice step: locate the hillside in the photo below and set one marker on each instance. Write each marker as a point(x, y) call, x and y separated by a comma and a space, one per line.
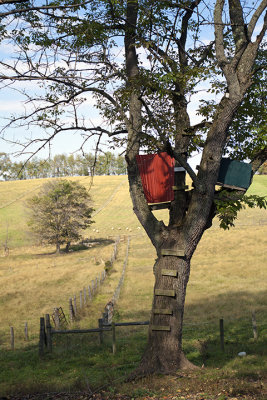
point(228, 279)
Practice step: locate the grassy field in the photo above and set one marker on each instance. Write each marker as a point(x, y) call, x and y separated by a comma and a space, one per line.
point(228, 280)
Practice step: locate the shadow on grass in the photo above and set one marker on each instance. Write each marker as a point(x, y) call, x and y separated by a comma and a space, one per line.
point(201, 332)
point(90, 244)
point(85, 244)
point(78, 362)
point(202, 342)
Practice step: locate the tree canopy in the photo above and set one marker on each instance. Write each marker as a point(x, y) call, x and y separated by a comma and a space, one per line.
point(60, 212)
point(144, 62)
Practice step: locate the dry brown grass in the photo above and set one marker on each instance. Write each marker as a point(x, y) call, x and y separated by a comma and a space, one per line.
point(34, 282)
point(228, 272)
point(228, 276)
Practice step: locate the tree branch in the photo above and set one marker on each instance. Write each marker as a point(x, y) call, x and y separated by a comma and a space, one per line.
point(218, 30)
point(12, 1)
point(237, 24)
point(258, 159)
point(37, 8)
point(255, 18)
point(193, 129)
point(264, 28)
point(185, 21)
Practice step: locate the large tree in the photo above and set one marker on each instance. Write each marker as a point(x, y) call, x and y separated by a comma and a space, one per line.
point(60, 212)
point(143, 61)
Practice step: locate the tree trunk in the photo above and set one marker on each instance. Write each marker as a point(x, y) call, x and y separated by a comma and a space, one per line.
point(57, 248)
point(164, 350)
point(67, 248)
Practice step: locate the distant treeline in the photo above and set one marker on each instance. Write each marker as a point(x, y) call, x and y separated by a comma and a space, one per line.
point(62, 165)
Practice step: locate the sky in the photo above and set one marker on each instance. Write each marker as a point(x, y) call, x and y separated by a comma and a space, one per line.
point(11, 102)
point(64, 142)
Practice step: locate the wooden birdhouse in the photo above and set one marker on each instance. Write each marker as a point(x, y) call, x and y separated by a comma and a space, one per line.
point(234, 174)
point(157, 175)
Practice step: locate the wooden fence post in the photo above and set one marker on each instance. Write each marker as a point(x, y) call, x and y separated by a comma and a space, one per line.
point(222, 334)
point(89, 293)
point(81, 299)
point(71, 312)
point(100, 326)
point(12, 338)
point(84, 296)
point(42, 337)
point(26, 331)
point(254, 325)
point(110, 313)
point(48, 333)
point(57, 320)
point(75, 305)
point(105, 316)
point(113, 338)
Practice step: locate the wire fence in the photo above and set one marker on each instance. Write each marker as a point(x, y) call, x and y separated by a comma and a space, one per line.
point(119, 335)
point(75, 304)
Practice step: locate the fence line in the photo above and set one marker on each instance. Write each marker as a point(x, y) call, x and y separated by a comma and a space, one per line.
point(109, 308)
point(58, 314)
point(86, 294)
point(188, 327)
point(47, 332)
point(104, 324)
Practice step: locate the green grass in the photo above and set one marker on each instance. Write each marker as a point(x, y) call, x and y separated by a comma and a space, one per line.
point(259, 185)
point(228, 280)
point(79, 363)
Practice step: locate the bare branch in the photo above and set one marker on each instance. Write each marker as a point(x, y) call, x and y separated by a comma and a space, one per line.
point(218, 30)
point(255, 18)
point(63, 81)
point(263, 31)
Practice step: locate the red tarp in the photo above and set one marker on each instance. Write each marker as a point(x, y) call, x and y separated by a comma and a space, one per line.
point(157, 175)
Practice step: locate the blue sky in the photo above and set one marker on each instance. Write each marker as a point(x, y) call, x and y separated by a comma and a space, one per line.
point(12, 102)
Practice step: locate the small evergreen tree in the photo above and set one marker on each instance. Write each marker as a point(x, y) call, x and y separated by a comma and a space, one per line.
point(59, 213)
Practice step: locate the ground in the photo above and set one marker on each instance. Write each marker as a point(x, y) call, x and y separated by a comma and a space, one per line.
point(197, 385)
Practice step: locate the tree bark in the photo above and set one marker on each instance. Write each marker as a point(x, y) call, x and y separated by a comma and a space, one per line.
point(164, 350)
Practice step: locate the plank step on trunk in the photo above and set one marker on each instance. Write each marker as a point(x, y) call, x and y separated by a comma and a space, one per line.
point(162, 292)
point(173, 252)
point(162, 311)
point(160, 328)
point(169, 272)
